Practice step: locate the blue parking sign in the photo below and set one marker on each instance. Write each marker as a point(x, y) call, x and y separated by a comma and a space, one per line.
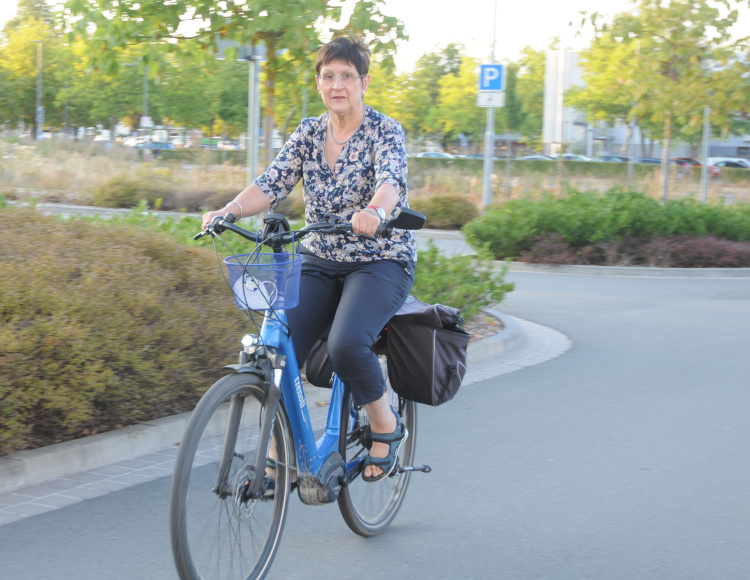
point(492, 77)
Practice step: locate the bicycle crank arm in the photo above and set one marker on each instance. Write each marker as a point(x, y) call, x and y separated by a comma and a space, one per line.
point(422, 468)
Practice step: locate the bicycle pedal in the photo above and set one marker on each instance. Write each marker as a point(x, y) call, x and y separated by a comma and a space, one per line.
point(422, 468)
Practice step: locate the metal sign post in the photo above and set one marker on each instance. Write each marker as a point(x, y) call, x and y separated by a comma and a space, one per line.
point(491, 94)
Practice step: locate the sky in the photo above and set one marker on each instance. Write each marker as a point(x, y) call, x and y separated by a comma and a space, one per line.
point(433, 24)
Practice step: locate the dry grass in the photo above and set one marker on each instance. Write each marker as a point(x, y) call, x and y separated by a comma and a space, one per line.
point(529, 183)
point(70, 172)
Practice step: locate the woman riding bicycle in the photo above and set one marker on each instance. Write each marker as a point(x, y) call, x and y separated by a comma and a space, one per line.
point(352, 162)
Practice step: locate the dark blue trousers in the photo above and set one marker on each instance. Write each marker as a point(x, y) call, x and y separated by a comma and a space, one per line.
point(354, 300)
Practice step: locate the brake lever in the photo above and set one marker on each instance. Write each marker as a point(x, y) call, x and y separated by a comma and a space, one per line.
point(214, 229)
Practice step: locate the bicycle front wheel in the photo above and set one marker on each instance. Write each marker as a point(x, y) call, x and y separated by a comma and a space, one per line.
point(368, 508)
point(218, 532)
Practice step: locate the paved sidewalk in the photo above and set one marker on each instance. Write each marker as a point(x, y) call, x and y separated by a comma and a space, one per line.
point(129, 456)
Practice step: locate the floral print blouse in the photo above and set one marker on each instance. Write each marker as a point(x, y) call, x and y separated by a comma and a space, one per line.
point(374, 155)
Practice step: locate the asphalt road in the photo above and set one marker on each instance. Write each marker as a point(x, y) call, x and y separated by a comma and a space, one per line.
point(625, 458)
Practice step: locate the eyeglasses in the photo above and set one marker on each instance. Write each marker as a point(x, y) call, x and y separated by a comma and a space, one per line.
point(346, 78)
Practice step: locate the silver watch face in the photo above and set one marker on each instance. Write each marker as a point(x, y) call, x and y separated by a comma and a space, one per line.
point(381, 213)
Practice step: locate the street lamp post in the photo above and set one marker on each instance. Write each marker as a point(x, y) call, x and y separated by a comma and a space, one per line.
point(145, 91)
point(633, 120)
point(144, 109)
point(39, 111)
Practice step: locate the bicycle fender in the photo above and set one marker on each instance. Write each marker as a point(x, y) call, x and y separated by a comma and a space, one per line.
point(246, 369)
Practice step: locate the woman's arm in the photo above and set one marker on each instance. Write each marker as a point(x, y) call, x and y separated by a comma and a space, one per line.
point(250, 201)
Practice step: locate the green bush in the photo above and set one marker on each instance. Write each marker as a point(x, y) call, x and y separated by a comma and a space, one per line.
point(106, 323)
point(125, 190)
point(589, 219)
point(160, 190)
point(463, 282)
point(445, 212)
point(103, 325)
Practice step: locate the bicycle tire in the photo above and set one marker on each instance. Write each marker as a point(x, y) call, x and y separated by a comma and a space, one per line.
point(228, 538)
point(368, 508)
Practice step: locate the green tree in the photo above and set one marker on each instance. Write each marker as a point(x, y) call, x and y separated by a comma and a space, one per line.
point(418, 111)
point(385, 93)
point(96, 96)
point(687, 59)
point(457, 111)
point(160, 28)
point(18, 70)
point(530, 91)
point(609, 91)
point(189, 92)
point(514, 114)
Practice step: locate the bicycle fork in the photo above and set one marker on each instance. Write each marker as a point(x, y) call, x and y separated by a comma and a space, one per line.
point(274, 368)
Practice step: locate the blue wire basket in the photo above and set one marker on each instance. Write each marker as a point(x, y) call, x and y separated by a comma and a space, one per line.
point(265, 280)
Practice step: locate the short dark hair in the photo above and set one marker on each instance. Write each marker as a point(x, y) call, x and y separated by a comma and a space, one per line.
point(351, 50)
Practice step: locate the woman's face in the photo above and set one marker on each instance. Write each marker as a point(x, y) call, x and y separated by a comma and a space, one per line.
point(341, 87)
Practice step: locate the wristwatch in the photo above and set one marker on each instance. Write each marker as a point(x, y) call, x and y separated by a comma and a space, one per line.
point(380, 211)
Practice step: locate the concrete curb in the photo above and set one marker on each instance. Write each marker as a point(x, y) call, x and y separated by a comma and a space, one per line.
point(27, 468)
point(629, 271)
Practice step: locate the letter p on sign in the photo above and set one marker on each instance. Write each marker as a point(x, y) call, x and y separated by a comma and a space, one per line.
point(492, 77)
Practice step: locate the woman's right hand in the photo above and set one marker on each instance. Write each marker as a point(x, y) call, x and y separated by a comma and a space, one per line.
point(208, 217)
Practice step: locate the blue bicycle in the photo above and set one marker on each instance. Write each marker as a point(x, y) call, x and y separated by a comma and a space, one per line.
point(250, 441)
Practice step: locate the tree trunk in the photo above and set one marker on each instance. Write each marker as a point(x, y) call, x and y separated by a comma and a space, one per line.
point(665, 157)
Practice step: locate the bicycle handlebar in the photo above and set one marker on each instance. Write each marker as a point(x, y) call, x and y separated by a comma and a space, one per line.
point(277, 234)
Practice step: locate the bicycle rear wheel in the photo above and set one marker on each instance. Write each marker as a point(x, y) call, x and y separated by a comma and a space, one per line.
point(217, 532)
point(368, 508)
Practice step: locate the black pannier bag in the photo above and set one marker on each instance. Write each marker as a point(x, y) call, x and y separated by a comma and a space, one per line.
point(318, 367)
point(427, 350)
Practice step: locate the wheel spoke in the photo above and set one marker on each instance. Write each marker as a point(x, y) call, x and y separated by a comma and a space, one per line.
point(369, 507)
point(220, 534)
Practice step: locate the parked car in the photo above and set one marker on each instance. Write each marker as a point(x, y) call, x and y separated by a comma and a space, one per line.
point(571, 157)
point(740, 160)
point(156, 145)
point(134, 141)
point(535, 158)
point(610, 159)
point(229, 145)
point(687, 161)
point(436, 155)
point(731, 164)
point(478, 156)
point(690, 162)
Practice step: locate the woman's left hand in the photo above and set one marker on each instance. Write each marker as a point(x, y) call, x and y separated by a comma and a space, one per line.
point(365, 222)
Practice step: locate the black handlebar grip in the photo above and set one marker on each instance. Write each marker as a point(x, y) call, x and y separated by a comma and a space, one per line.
point(383, 230)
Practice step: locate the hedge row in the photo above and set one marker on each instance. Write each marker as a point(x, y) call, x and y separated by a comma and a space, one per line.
point(109, 323)
point(103, 326)
point(586, 219)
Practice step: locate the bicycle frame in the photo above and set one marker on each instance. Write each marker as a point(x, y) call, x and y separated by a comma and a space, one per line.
point(311, 453)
